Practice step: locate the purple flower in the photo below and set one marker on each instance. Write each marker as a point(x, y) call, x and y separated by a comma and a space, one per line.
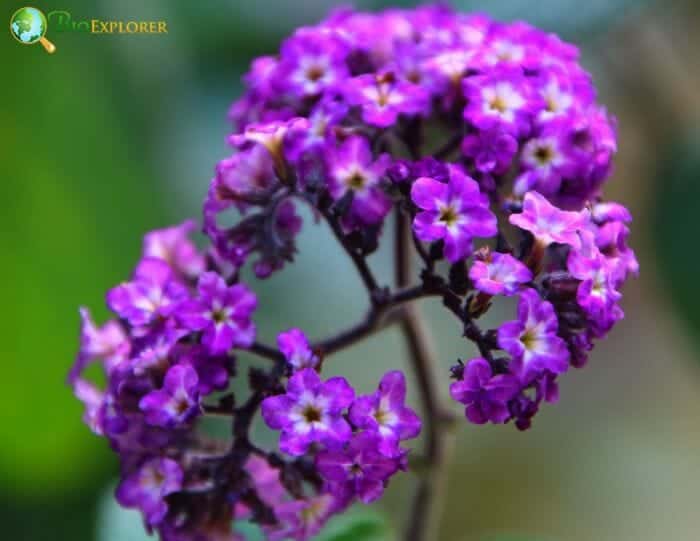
point(274, 136)
point(271, 135)
point(491, 150)
point(596, 293)
point(524, 405)
point(442, 115)
point(296, 349)
point(327, 113)
point(154, 355)
point(556, 95)
point(545, 164)
point(532, 339)
point(266, 479)
point(385, 414)
point(177, 402)
point(152, 295)
point(609, 211)
point(447, 68)
point(93, 400)
point(311, 61)
point(485, 395)
point(213, 372)
point(310, 411)
point(173, 246)
point(548, 223)
point(247, 177)
point(502, 99)
point(499, 274)
point(147, 487)
point(300, 520)
point(223, 314)
point(611, 240)
point(383, 98)
point(270, 233)
point(353, 170)
point(108, 343)
point(456, 212)
point(357, 470)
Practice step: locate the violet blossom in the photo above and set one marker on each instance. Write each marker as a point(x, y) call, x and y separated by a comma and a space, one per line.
point(484, 394)
point(296, 349)
point(499, 274)
point(385, 414)
point(310, 411)
point(359, 470)
point(223, 313)
point(455, 212)
point(532, 339)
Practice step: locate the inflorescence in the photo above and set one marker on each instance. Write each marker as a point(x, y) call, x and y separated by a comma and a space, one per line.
point(487, 138)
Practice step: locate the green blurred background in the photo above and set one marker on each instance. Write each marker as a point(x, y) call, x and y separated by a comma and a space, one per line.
point(115, 135)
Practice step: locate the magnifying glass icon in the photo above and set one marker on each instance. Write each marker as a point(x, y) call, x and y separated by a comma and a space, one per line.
point(28, 25)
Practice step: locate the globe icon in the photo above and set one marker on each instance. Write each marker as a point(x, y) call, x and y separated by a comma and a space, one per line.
point(28, 25)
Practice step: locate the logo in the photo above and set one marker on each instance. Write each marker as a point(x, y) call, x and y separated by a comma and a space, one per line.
point(28, 25)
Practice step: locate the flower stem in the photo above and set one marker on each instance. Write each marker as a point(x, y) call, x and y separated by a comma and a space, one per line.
point(358, 259)
point(427, 504)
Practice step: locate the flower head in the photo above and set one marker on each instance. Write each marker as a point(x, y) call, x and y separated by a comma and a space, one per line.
point(448, 119)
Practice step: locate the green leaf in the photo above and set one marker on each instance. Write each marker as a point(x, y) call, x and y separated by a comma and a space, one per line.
point(359, 523)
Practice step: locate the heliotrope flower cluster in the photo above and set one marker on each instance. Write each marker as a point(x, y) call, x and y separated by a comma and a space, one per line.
point(484, 138)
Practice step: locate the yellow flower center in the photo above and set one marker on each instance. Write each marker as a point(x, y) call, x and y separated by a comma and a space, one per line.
point(448, 216)
point(497, 103)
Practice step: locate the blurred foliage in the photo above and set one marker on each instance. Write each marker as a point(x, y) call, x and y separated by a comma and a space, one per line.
point(555, 15)
point(674, 226)
point(80, 197)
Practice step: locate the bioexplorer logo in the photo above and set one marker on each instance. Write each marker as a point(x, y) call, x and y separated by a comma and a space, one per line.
point(28, 25)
